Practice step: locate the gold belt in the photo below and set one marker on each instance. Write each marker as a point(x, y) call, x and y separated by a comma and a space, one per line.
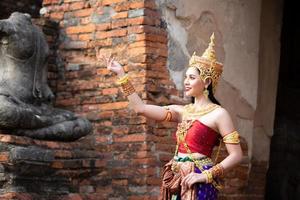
point(198, 162)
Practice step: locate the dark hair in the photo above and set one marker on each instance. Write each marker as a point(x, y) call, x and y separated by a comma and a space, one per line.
point(210, 95)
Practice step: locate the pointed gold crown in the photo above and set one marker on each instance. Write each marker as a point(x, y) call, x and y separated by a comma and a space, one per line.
point(207, 64)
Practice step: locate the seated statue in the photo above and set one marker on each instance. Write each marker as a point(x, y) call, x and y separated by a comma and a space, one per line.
point(25, 97)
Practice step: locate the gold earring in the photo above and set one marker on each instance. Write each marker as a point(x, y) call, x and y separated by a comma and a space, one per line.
point(206, 93)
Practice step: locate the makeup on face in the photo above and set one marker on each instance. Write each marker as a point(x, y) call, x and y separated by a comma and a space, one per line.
point(193, 85)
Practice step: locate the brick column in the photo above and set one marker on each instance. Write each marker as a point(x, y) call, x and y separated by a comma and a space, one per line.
point(133, 147)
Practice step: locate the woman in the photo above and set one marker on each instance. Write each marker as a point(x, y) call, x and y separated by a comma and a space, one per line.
point(191, 174)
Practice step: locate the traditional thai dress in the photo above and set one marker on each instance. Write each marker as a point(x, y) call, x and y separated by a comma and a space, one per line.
point(198, 138)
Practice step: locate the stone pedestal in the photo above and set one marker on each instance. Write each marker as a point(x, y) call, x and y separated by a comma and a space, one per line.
point(43, 170)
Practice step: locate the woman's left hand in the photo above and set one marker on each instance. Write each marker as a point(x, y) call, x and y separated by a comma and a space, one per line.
point(191, 178)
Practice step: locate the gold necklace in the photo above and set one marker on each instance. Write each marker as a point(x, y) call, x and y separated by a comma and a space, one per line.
point(190, 111)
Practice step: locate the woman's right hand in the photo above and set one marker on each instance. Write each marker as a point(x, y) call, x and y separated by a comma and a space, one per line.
point(111, 64)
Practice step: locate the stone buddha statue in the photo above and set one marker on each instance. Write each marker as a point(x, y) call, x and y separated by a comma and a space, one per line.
point(25, 97)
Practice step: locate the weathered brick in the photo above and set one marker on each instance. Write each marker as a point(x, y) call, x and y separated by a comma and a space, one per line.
point(119, 23)
point(109, 2)
point(77, 5)
point(122, 6)
point(103, 27)
point(4, 157)
point(144, 20)
point(114, 106)
point(75, 45)
point(85, 20)
point(85, 37)
point(110, 91)
point(81, 29)
point(47, 2)
point(112, 33)
point(83, 12)
point(136, 13)
point(120, 15)
point(57, 15)
point(142, 4)
point(131, 138)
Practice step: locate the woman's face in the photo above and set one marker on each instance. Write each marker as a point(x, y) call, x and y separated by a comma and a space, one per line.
point(193, 84)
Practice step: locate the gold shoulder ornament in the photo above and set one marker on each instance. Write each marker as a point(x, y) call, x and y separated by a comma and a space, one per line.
point(232, 138)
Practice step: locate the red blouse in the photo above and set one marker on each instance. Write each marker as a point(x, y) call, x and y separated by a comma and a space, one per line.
point(200, 138)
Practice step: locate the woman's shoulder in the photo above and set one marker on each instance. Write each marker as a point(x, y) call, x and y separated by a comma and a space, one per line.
point(222, 114)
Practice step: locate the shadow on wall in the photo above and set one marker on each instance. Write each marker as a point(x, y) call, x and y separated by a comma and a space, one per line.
point(31, 7)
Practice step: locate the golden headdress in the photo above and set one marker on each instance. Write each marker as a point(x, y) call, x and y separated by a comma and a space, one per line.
point(207, 64)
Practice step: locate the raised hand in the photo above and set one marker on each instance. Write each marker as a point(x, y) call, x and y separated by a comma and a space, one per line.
point(110, 62)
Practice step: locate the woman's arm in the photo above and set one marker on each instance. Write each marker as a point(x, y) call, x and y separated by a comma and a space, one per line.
point(225, 127)
point(158, 113)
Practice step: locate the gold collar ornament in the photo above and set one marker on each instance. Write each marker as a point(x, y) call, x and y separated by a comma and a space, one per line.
point(207, 64)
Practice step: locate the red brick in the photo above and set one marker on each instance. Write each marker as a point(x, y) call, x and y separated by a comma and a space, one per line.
point(120, 15)
point(47, 2)
point(67, 102)
point(4, 157)
point(143, 20)
point(14, 195)
point(85, 20)
point(100, 163)
point(103, 71)
point(131, 138)
point(122, 6)
point(84, 12)
point(81, 29)
point(85, 37)
point(119, 23)
point(63, 154)
point(77, 5)
point(57, 15)
point(137, 51)
point(73, 197)
point(151, 37)
point(143, 4)
point(57, 165)
point(122, 182)
point(109, 2)
point(103, 27)
point(110, 91)
point(114, 106)
point(112, 33)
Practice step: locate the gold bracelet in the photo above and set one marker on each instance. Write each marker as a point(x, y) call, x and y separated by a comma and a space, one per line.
point(168, 116)
point(209, 177)
point(127, 88)
point(124, 79)
point(232, 138)
point(217, 171)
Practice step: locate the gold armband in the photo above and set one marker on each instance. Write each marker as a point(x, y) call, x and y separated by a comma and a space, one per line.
point(168, 116)
point(217, 171)
point(209, 176)
point(232, 138)
point(126, 85)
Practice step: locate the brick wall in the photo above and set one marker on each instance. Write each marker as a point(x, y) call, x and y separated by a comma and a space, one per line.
point(133, 146)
